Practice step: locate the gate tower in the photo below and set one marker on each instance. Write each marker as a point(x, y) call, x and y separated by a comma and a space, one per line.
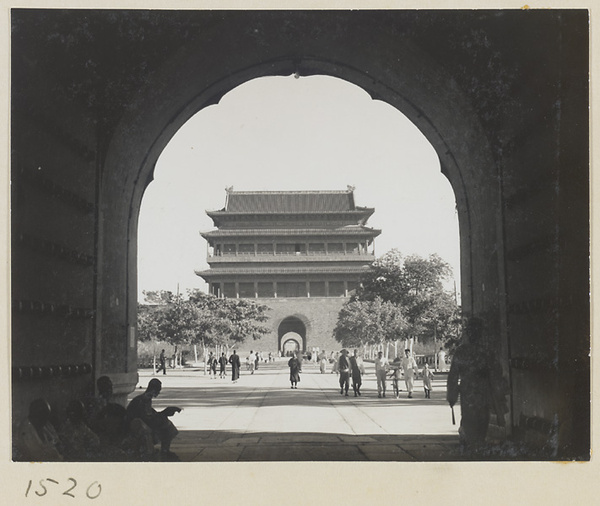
point(301, 252)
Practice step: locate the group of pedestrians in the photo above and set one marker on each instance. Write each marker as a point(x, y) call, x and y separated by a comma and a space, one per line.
point(351, 368)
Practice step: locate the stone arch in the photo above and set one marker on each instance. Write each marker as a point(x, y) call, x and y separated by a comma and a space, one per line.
point(291, 324)
point(432, 102)
point(290, 342)
point(95, 122)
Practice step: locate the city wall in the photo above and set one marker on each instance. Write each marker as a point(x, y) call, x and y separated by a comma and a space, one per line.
point(318, 314)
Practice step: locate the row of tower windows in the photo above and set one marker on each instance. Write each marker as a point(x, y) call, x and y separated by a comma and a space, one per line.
point(317, 248)
point(258, 289)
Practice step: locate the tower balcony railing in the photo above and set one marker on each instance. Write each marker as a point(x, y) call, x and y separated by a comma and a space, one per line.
point(289, 257)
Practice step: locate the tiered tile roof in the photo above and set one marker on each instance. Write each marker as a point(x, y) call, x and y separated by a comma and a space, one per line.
point(290, 202)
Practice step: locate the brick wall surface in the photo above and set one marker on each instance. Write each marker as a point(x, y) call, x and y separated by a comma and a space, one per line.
point(318, 314)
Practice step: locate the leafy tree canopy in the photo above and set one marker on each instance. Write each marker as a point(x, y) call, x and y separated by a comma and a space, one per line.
point(416, 285)
point(199, 318)
point(363, 322)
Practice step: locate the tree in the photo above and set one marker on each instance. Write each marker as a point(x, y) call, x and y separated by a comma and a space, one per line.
point(177, 321)
point(415, 285)
point(230, 320)
point(147, 328)
point(362, 322)
point(199, 319)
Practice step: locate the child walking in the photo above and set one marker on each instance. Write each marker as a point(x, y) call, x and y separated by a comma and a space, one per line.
point(427, 377)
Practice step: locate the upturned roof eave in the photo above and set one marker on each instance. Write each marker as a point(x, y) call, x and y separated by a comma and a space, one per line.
point(357, 211)
point(362, 231)
point(281, 271)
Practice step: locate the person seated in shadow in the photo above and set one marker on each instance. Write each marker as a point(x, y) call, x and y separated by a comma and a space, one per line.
point(79, 442)
point(162, 428)
point(122, 442)
point(96, 404)
point(37, 439)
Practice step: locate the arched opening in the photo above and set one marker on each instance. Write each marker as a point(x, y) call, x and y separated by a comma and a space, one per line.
point(450, 157)
point(291, 335)
point(291, 344)
point(88, 143)
point(241, 143)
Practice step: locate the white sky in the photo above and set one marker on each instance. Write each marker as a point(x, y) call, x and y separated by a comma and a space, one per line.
point(281, 133)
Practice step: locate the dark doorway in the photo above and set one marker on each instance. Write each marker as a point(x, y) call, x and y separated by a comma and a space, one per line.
point(291, 324)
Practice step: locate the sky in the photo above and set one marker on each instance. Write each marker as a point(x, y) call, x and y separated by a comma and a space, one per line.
point(283, 133)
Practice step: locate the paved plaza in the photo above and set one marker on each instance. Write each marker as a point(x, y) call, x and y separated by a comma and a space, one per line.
point(260, 418)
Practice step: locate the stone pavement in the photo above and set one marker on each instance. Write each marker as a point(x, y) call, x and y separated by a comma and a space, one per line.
point(260, 418)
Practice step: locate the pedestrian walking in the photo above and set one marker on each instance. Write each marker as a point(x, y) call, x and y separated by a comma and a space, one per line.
point(295, 368)
point(396, 374)
point(323, 362)
point(381, 368)
point(442, 360)
point(162, 363)
point(212, 365)
point(357, 369)
point(344, 369)
point(234, 360)
point(410, 368)
point(427, 378)
point(222, 365)
point(335, 360)
point(251, 361)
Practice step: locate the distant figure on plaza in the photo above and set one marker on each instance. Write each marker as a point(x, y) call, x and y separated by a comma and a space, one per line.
point(251, 362)
point(427, 379)
point(162, 366)
point(257, 358)
point(222, 365)
point(357, 369)
point(410, 369)
point(323, 362)
point(476, 376)
point(212, 365)
point(234, 360)
point(295, 368)
point(344, 369)
point(381, 368)
point(335, 368)
point(442, 359)
point(163, 430)
point(37, 439)
point(396, 375)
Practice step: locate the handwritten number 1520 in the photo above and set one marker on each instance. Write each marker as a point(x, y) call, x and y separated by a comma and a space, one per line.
point(93, 490)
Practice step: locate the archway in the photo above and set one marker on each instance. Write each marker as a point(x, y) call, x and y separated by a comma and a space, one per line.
point(290, 344)
point(89, 140)
point(443, 113)
point(459, 161)
point(291, 330)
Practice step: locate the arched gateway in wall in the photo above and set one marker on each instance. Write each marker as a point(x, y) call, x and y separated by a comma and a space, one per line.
point(85, 139)
point(291, 328)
